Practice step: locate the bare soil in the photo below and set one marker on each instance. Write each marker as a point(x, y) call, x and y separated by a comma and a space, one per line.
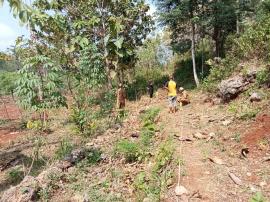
point(205, 180)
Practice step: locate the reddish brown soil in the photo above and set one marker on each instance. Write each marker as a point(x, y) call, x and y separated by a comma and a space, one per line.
point(8, 135)
point(8, 109)
point(9, 112)
point(258, 137)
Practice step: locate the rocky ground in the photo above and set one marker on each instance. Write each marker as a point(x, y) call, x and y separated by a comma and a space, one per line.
point(223, 157)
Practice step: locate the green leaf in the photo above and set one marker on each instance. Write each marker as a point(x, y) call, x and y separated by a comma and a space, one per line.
point(119, 42)
point(106, 39)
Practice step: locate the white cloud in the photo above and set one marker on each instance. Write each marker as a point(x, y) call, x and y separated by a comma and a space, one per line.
point(6, 32)
point(7, 36)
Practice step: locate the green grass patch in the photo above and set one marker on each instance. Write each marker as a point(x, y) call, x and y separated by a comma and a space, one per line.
point(139, 149)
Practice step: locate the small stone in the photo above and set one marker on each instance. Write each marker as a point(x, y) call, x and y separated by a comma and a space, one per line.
point(169, 182)
point(207, 172)
point(226, 122)
point(180, 190)
point(262, 184)
point(118, 195)
point(89, 144)
point(200, 135)
point(253, 189)
point(255, 97)
point(147, 200)
point(249, 174)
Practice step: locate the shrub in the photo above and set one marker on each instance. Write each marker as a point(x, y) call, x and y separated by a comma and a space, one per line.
point(243, 111)
point(93, 156)
point(130, 150)
point(34, 125)
point(219, 71)
point(258, 197)
point(7, 82)
point(151, 184)
point(149, 115)
point(16, 174)
point(64, 149)
point(263, 77)
point(164, 155)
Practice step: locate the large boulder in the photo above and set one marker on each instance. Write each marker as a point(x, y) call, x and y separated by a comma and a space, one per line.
point(231, 88)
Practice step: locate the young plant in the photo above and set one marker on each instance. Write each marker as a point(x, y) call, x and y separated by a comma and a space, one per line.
point(64, 149)
point(130, 150)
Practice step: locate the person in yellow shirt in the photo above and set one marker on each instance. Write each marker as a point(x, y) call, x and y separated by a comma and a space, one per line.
point(172, 94)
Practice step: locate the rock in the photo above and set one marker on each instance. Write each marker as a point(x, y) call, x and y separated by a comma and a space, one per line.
point(147, 200)
point(244, 152)
point(89, 144)
point(216, 160)
point(210, 136)
point(262, 184)
point(255, 97)
point(200, 135)
point(249, 174)
point(135, 135)
point(81, 198)
point(226, 122)
point(253, 189)
point(235, 179)
point(231, 88)
point(26, 191)
point(207, 172)
point(180, 190)
point(64, 165)
point(169, 182)
point(187, 139)
point(75, 156)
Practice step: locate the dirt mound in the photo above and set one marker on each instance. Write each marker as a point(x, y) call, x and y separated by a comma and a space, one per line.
point(259, 135)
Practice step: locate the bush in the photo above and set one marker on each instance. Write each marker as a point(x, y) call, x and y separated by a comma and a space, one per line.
point(93, 156)
point(263, 77)
point(164, 155)
point(34, 125)
point(243, 111)
point(130, 150)
point(151, 184)
point(136, 151)
point(15, 175)
point(64, 149)
point(219, 71)
point(8, 82)
point(149, 115)
point(258, 197)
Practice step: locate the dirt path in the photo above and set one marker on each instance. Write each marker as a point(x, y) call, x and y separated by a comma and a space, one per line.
point(210, 181)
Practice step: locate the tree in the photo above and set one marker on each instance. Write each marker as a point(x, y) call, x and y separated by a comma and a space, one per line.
point(39, 84)
point(181, 17)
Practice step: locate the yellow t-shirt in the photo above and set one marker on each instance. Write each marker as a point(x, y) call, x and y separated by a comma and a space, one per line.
point(172, 88)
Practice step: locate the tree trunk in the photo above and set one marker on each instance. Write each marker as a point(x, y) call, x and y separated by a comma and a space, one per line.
point(105, 49)
point(237, 26)
point(193, 55)
point(108, 72)
point(202, 72)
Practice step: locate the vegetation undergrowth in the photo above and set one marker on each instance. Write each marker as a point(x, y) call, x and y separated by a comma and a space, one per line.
point(138, 150)
point(152, 183)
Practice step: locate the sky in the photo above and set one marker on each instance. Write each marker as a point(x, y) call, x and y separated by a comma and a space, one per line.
point(10, 27)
